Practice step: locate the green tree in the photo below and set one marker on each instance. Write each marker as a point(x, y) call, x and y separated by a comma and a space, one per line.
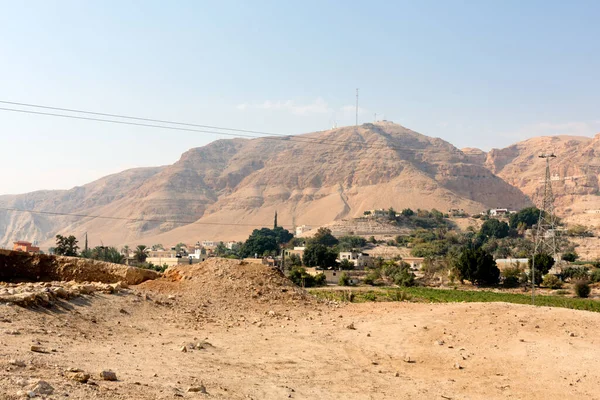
point(66, 246)
point(294, 260)
point(398, 273)
point(318, 255)
point(477, 266)
point(529, 216)
point(391, 213)
point(570, 256)
point(493, 228)
point(407, 212)
point(156, 247)
point(300, 277)
point(348, 243)
point(141, 253)
point(543, 263)
point(260, 242)
point(324, 237)
point(221, 250)
point(346, 264)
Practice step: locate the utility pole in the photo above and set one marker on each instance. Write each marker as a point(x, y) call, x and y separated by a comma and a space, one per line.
point(545, 232)
point(356, 107)
point(375, 119)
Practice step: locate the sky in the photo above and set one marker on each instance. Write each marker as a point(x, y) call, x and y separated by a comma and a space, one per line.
point(480, 74)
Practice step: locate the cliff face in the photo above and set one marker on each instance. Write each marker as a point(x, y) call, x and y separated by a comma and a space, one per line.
point(309, 179)
point(575, 170)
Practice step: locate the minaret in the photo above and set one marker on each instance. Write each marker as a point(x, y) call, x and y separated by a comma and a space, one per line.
point(275, 221)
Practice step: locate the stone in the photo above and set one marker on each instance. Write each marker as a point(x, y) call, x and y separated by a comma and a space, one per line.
point(43, 388)
point(457, 366)
point(38, 349)
point(183, 349)
point(81, 377)
point(197, 389)
point(17, 363)
point(409, 360)
point(351, 326)
point(108, 375)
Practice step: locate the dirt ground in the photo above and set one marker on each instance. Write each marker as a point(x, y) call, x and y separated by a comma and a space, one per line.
point(260, 338)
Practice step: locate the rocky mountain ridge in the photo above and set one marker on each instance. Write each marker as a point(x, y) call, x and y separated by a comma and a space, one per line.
point(223, 190)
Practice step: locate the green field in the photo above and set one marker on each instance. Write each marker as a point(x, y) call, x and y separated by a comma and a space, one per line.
point(430, 295)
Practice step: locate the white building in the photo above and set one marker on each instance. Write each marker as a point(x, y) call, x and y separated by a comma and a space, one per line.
point(358, 259)
point(494, 212)
point(301, 229)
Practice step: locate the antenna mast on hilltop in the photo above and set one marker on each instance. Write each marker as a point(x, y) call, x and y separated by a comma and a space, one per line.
point(545, 232)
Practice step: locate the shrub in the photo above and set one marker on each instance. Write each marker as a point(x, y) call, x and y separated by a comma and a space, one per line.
point(300, 277)
point(398, 295)
point(371, 277)
point(570, 256)
point(575, 273)
point(344, 280)
point(582, 289)
point(551, 281)
point(595, 276)
point(319, 279)
point(511, 277)
point(370, 296)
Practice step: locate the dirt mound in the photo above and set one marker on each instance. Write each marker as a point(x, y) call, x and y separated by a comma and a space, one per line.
point(19, 266)
point(225, 284)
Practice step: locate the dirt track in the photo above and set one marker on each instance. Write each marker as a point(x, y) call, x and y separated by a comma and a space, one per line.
point(302, 349)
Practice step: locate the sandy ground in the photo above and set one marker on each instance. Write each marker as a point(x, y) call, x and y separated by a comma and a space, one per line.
point(306, 352)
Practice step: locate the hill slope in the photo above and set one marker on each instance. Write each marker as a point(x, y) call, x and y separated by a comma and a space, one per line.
point(575, 172)
point(245, 181)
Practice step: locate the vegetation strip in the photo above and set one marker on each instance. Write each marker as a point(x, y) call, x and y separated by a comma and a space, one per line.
point(422, 294)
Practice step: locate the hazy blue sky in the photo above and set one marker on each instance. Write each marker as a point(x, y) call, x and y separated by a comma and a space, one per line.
point(475, 73)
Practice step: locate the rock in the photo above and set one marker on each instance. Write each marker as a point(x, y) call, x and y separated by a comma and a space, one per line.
point(17, 363)
point(409, 360)
point(572, 334)
point(197, 389)
point(12, 332)
point(457, 366)
point(183, 349)
point(108, 375)
point(81, 377)
point(43, 388)
point(351, 326)
point(60, 292)
point(38, 349)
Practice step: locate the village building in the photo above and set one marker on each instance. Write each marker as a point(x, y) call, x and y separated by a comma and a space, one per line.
point(503, 263)
point(25, 246)
point(302, 229)
point(298, 251)
point(415, 262)
point(359, 259)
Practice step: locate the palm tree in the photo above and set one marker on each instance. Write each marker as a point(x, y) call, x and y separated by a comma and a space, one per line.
point(141, 253)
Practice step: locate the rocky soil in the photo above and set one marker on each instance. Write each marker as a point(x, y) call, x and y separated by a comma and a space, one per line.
point(226, 330)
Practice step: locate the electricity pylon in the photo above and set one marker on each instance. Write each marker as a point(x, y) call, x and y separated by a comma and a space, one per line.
point(545, 232)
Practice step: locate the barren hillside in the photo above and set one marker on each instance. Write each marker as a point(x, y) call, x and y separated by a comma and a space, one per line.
point(575, 172)
point(311, 179)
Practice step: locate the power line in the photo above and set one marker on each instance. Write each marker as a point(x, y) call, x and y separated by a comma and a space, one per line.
point(137, 118)
point(239, 132)
point(128, 219)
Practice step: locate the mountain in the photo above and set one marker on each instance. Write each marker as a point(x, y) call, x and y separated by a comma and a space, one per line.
point(310, 179)
point(575, 173)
